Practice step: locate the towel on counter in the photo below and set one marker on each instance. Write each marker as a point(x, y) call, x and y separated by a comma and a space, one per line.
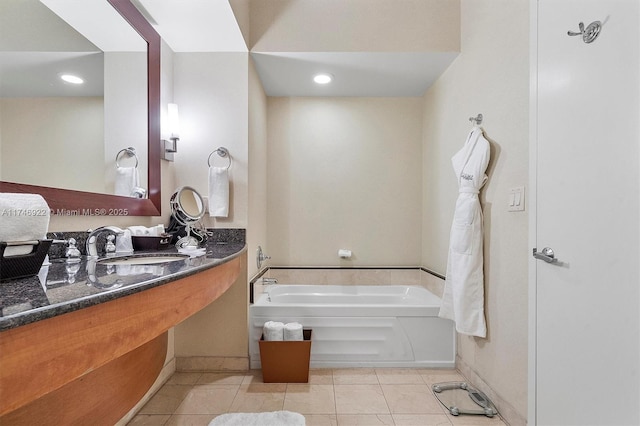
point(152, 231)
point(127, 178)
point(25, 217)
point(273, 331)
point(293, 331)
point(218, 192)
point(193, 251)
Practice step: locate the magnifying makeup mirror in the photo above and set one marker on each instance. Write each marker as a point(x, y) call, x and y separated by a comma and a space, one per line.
point(187, 207)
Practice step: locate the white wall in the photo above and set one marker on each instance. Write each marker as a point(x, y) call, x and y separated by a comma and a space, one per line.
point(217, 336)
point(45, 137)
point(491, 76)
point(125, 124)
point(211, 91)
point(257, 203)
point(344, 173)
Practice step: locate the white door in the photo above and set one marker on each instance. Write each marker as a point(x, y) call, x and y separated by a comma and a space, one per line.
point(587, 306)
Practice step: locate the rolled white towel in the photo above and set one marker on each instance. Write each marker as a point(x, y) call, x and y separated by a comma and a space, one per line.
point(273, 331)
point(25, 217)
point(293, 331)
point(138, 231)
point(143, 231)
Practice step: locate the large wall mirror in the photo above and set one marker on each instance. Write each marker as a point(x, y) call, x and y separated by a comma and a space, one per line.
point(61, 140)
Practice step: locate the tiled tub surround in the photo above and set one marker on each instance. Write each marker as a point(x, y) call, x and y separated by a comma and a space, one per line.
point(417, 276)
point(65, 287)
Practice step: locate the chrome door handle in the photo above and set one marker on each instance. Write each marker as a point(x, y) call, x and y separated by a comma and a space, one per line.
point(547, 255)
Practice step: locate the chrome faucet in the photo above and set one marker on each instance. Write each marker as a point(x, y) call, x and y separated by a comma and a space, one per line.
point(269, 281)
point(92, 238)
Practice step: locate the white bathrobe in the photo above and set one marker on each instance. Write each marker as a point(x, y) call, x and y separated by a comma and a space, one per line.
point(463, 298)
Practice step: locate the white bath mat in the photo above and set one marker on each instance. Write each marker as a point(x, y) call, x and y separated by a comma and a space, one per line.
point(274, 418)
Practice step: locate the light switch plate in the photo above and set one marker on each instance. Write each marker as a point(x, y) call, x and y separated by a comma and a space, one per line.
point(515, 201)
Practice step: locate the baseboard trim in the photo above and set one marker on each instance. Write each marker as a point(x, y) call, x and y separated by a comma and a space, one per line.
point(212, 363)
point(508, 413)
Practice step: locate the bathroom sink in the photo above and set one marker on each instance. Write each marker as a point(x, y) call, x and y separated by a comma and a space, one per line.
point(143, 259)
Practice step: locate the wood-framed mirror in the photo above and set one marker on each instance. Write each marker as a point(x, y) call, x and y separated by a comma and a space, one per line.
point(71, 202)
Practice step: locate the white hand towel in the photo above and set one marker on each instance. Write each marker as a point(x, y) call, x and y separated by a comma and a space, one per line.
point(25, 217)
point(127, 178)
point(218, 192)
point(293, 331)
point(273, 331)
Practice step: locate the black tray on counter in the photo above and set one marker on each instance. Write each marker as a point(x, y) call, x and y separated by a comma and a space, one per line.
point(23, 265)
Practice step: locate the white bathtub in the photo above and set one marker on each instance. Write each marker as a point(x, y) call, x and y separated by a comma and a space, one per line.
point(360, 326)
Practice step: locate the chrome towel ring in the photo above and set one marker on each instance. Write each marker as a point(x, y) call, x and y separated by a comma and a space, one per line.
point(129, 152)
point(222, 152)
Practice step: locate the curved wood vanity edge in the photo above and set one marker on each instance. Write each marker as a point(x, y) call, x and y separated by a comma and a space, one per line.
point(38, 358)
point(101, 397)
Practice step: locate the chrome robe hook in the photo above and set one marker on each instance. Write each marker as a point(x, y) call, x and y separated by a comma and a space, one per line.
point(590, 33)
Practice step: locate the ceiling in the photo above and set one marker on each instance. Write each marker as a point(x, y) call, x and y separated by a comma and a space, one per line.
point(354, 73)
point(195, 26)
point(210, 26)
point(36, 74)
point(42, 39)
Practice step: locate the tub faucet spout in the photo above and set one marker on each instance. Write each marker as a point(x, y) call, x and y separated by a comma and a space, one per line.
point(269, 281)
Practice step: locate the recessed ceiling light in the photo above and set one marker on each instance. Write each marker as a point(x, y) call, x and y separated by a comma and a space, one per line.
point(73, 79)
point(323, 78)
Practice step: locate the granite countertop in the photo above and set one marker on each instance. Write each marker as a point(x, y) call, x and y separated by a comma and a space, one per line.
point(63, 287)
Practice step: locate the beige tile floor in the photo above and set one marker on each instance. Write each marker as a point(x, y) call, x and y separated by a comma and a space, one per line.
point(339, 397)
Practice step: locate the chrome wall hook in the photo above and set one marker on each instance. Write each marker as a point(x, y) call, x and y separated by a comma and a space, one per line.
point(590, 33)
point(477, 120)
point(573, 33)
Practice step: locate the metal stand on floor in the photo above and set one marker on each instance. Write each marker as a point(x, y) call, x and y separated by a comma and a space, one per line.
point(460, 398)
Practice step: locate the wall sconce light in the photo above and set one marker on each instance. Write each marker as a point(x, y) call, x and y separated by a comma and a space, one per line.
point(173, 126)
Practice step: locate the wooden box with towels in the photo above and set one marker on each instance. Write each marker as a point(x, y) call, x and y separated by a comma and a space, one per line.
point(286, 361)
